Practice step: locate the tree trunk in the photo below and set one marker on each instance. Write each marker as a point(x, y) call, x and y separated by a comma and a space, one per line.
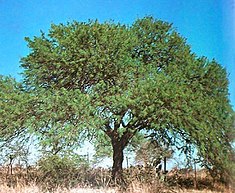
point(118, 143)
point(117, 162)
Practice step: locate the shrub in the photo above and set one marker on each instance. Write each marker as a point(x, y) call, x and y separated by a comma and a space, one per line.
point(57, 171)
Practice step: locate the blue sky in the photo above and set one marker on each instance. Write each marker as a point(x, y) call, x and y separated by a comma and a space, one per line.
point(208, 25)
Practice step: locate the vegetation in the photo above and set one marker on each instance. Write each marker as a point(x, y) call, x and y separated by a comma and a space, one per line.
point(109, 82)
point(151, 153)
point(82, 179)
point(57, 171)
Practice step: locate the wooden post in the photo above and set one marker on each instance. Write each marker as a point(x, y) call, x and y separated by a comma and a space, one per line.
point(195, 175)
point(10, 170)
point(88, 156)
point(164, 165)
point(127, 164)
point(164, 170)
point(10, 165)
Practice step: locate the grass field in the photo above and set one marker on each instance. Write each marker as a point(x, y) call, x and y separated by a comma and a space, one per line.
point(98, 181)
point(132, 189)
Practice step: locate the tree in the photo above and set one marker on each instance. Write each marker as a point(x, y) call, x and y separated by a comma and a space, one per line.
point(120, 80)
point(150, 152)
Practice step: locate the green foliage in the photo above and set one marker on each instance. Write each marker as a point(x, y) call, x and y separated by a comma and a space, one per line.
point(14, 133)
point(12, 103)
point(102, 146)
point(60, 171)
point(77, 55)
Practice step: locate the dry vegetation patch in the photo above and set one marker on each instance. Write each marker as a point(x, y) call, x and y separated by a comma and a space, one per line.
point(134, 188)
point(99, 181)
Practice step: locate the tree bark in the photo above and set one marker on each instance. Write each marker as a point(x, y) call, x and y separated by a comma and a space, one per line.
point(118, 157)
point(118, 144)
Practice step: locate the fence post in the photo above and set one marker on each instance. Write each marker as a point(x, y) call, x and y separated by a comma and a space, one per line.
point(195, 175)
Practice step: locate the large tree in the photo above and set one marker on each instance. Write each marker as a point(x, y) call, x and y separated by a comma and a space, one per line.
point(119, 80)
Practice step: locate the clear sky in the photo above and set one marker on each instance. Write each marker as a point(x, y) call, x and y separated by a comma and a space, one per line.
point(208, 25)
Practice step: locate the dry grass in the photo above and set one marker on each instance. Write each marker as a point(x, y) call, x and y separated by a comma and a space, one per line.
point(136, 183)
point(35, 189)
point(19, 189)
point(133, 188)
point(137, 187)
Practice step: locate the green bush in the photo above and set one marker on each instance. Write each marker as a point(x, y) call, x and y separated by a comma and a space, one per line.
point(57, 171)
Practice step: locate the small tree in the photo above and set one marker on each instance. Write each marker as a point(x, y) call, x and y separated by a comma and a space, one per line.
point(151, 153)
point(118, 79)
